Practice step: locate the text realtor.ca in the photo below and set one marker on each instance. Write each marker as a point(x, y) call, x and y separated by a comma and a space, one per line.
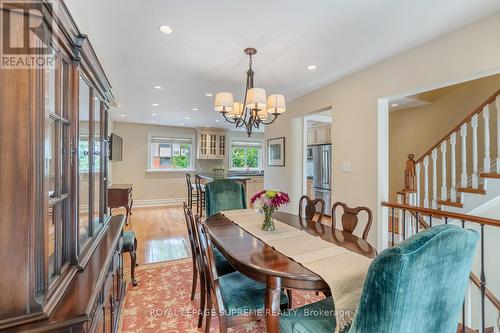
point(25, 35)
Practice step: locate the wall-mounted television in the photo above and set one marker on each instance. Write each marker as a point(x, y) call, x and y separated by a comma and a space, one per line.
point(115, 147)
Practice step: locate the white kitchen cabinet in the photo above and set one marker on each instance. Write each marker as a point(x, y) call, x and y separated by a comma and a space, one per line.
point(319, 135)
point(211, 145)
point(253, 185)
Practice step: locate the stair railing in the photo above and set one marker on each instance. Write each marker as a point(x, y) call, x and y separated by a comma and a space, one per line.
point(413, 214)
point(423, 183)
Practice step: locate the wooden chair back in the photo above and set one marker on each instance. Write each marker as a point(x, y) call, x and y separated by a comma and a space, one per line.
point(350, 219)
point(310, 207)
point(188, 215)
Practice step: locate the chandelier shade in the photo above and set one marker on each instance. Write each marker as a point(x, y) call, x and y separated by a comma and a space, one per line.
point(224, 102)
point(276, 104)
point(256, 109)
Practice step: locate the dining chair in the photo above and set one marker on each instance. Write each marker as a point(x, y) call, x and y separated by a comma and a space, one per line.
point(200, 195)
point(130, 245)
point(417, 286)
point(222, 265)
point(310, 207)
point(224, 194)
point(191, 191)
point(237, 299)
point(349, 218)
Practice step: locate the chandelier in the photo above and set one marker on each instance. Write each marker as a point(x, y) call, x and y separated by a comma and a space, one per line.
point(255, 110)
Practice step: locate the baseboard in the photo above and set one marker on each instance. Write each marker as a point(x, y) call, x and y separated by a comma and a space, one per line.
point(158, 202)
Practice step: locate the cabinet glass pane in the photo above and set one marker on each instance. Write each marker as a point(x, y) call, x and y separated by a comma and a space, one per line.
point(65, 84)
point(96, 198)
point(50, 157)
point(52, 244)
point(83, 162)
point(50, 88)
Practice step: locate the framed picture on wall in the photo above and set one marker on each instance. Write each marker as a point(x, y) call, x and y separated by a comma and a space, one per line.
point(276, 152)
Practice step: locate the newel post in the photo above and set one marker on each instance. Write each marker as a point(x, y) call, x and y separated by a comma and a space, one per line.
point(410, 173)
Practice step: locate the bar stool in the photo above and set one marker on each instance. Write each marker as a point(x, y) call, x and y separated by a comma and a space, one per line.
point(191, 190)
point(200, 196)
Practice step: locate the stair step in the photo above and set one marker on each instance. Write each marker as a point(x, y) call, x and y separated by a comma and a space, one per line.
point(471, 190)
point(489, 175)
point(450, 203)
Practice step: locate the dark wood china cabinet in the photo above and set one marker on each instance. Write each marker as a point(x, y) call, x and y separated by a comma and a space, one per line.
point(62, 268)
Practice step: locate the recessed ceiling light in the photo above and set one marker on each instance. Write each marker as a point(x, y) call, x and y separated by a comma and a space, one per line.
point(165, 29)
point(394, 105)
point(122, 115)
point(195, 109)
point(208, 94)
point(312, 67)
point(154, 114)
point(187, 118)
point(157, 86)
point(217, 120)
point(155, 104)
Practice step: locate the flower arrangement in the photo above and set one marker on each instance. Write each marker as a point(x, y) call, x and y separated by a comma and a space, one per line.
point(267, 202)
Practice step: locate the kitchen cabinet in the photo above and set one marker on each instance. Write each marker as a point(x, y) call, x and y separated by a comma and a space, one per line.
point(319, 135)
point(254, 184)
point(211, 145)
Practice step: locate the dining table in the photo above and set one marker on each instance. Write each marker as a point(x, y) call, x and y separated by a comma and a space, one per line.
point(263, 263)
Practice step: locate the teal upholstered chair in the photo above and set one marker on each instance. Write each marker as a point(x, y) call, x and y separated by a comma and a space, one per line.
point(237, 298)
point(130, 246)
point(417, 286)
point(224, 194)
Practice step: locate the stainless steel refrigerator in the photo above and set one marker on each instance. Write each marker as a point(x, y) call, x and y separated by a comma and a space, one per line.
point(322, 172)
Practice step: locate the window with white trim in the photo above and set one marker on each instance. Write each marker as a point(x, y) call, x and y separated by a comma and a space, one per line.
point(170, 154)
point(246, 155)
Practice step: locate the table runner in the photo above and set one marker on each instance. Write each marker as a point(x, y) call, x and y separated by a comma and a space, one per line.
point(344, 271)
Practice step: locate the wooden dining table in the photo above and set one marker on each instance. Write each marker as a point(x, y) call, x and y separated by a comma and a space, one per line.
point(261, 262)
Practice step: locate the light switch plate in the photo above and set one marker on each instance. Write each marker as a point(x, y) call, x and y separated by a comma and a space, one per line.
point(345, 166)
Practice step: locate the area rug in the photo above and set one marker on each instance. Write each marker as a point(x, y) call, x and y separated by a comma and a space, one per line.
point(161, 302)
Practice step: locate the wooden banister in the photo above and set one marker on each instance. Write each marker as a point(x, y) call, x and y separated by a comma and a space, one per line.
point(444, 214)
point(490, 100)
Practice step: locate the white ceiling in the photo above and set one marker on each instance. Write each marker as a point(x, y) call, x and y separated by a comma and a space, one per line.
point(205, 51)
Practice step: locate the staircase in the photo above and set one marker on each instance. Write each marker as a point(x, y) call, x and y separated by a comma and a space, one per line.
point(454, 182)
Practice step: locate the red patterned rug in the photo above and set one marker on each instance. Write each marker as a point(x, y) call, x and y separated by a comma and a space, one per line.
point(161, 302)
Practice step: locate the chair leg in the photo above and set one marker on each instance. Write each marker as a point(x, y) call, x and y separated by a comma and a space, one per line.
point(203, 297)
point(133, 263)
point(209, 313)
point(289, 294)
point(195, 279)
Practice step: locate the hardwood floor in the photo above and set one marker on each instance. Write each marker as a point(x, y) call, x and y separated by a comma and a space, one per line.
point(161, 234)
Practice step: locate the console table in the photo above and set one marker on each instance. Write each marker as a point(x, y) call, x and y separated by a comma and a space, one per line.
point(120, 195)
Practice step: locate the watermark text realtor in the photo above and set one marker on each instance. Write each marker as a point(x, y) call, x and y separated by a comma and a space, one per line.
point(25, 30)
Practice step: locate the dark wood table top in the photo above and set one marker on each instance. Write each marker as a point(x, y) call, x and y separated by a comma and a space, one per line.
point(258, 260)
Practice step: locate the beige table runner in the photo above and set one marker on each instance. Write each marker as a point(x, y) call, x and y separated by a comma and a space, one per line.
point(344, 271)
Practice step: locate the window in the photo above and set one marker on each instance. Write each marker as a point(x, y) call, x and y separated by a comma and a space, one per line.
point(246, 155)
point(169, 154)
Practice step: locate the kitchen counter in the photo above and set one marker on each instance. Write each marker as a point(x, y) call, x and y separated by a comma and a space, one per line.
point(212, 176)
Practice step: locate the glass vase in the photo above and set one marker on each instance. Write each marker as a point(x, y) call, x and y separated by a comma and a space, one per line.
point(268, 224)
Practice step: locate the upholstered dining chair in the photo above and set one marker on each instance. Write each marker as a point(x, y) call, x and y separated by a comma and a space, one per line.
point(349, 218)
point(130, 246)
point(310, 207)
point(222, 265)
point(417, 286)
point(237, 299)
point(224, 194)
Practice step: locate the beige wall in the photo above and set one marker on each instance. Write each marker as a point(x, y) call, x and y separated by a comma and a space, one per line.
point(154, 187)
point(456, 56)
point(416, 130)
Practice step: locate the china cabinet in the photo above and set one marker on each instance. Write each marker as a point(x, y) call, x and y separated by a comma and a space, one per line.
point(56, 232)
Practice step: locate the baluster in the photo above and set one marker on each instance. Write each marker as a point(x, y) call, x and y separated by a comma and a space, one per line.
point(444, 187)
point(453, 190)
point(434, 179)
point(498, 133)
point(417, 172)
point(487, 159)
point(426, 181)
point(393, 227)
point(475, 166)
point(463, 135)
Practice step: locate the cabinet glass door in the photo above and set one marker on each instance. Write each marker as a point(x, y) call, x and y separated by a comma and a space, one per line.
point(97, 168)
point(84, 215)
